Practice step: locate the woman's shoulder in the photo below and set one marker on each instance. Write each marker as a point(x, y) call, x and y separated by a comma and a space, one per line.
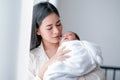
point(36, 51)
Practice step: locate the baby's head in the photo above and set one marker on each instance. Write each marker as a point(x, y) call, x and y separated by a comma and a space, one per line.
point(69, 36)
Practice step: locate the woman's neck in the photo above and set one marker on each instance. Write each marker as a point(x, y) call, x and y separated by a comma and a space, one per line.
point(50, 48)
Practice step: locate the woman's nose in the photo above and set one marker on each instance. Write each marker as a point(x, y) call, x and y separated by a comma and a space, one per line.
point(56, 30)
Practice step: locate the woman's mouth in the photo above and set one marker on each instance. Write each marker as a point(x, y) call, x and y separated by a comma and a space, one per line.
point(57, 37)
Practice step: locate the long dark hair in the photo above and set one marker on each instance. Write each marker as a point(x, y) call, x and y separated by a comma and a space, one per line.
point(40, 11)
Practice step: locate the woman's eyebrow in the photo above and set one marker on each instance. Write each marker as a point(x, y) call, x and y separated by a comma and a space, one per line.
point(51, 24)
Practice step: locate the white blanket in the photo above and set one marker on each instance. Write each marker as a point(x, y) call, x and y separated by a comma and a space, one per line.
point(84, 58)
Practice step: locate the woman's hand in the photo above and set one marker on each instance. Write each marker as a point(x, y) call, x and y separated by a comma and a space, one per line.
point(59, 56)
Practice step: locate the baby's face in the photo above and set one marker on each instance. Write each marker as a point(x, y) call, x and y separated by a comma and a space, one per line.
point(68, 36)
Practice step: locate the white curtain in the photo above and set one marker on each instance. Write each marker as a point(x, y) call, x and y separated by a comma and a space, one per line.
point(24, 38)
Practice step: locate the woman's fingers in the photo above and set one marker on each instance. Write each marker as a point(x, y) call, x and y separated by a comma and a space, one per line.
point(61, 49)
point(65, 52)
point(60, 55)
point(63, 57)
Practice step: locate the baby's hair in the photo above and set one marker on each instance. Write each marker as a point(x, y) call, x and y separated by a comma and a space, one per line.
point(76, 35)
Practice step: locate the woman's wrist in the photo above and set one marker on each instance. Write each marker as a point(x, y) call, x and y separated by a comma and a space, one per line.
point(38, 78)
point(43, 69)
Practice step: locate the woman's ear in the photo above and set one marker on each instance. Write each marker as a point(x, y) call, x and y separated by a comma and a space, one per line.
point(38, 32)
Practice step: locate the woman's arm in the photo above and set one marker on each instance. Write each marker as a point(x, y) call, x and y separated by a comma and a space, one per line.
point(59, 56)
point(31, 74)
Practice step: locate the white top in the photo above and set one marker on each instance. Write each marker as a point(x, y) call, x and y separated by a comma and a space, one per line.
point(38, 57)
point(84, 58)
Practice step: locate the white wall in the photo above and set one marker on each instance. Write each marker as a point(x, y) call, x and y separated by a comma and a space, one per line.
point(9, 29)
point(54, 2)
point(97, 21)
point(15, 26)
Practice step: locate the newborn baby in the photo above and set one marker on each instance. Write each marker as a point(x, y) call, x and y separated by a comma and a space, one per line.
point(84, 58)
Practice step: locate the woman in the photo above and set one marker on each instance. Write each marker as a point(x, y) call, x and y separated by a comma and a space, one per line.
point(46, 32)
point(45, 36)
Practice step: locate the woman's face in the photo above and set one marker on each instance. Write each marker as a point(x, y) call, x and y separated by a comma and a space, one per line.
point(50, 29)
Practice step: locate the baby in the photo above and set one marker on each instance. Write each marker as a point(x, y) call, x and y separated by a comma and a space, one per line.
point(84, 58)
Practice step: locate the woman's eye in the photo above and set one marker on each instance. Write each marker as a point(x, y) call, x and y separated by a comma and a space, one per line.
point(58, 24)
point(49, 28)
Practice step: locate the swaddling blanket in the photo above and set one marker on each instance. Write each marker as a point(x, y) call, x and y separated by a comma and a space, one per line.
point(84, 57)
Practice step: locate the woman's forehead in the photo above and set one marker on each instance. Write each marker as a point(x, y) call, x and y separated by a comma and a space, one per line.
point(52, 18)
